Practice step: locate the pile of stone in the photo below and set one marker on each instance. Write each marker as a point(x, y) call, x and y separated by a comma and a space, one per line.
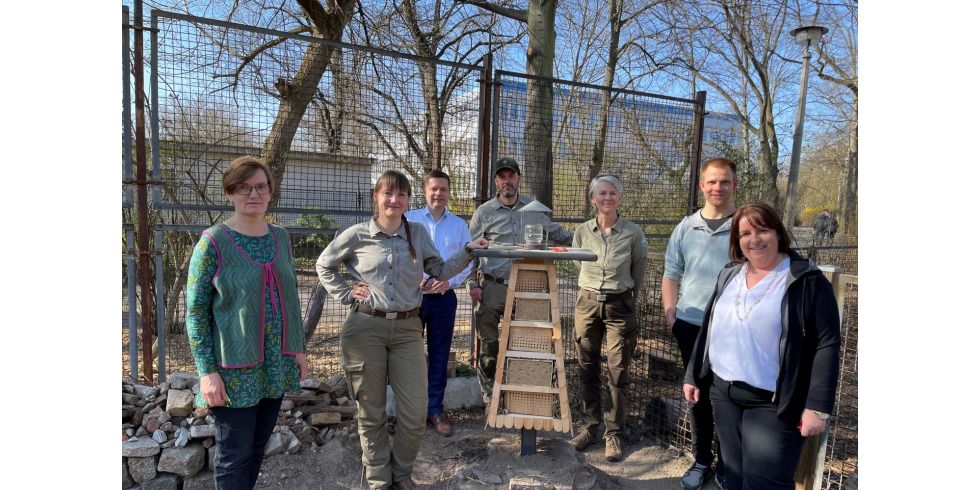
point(167, 442)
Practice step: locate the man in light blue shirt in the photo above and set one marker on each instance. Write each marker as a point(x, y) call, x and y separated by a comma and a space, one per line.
point(696, 253)
point(438, 311)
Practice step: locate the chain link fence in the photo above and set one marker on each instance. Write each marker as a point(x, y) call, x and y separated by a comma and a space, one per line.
point(216, 92)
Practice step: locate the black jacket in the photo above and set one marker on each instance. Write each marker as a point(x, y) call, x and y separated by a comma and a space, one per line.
point(809, 345)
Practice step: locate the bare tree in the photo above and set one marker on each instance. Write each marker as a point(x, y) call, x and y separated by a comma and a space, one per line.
point(540, 19)
point(731, 46)
point(837, 64)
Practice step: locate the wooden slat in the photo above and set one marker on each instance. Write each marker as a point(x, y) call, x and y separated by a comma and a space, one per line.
point(548, 424)
point(531, 295)
point(528, 424)
point(532, 324)
point(531, 355)
point(529, 389)
point(534, 267)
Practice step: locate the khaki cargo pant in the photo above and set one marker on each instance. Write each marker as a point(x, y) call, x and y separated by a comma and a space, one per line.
point(616, 319)
point(376, 352)
point(488, 313)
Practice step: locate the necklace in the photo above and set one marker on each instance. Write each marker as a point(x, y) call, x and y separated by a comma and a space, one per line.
point(742, 296)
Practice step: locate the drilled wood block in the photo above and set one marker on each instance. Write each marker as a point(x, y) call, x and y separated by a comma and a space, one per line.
point(529, 372)
point(532, 309)
point(532, 281)
point(541, 404)
point(530, 339)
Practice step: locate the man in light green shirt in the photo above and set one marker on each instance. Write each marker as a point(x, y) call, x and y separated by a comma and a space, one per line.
point(497, 220)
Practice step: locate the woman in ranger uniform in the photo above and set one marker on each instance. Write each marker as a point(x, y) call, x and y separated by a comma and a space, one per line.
point(605, 307)
point(381, 339)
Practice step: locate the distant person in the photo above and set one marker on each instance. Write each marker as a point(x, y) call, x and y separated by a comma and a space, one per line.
point(768, 352)
point(244, 325)
point(497, 220)
point(606, 307)
point(381, 339)
point(696, 253)
point(450, 234)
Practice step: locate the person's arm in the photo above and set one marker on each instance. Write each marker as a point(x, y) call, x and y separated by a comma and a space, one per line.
point(328, 266)
point(301, 361)
point(557, 234)
point(673, 270)
point(200, 294)
point(823, 326)
point(577, 243)
point(638, 265)
point(477, 230)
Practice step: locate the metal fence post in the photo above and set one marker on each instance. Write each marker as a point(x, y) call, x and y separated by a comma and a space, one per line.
point(809, 472)
point(698, 135)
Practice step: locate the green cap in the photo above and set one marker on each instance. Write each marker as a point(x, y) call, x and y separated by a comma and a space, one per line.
point(506, 162)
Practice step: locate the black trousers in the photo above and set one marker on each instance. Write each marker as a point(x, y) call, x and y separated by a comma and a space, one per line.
point(240, 436)
point(702, 421)
point(760, 450)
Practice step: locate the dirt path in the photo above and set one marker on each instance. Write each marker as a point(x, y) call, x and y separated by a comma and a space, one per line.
point(478, 458)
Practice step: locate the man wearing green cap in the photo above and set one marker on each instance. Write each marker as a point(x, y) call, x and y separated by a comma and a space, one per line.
point(497, 220)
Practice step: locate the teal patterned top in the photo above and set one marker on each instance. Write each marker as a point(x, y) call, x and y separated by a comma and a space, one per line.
point(244, 386)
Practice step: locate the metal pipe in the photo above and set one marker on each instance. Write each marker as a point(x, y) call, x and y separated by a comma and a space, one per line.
point(131, 304)
point(483, 158)
point(789, 212)
point(700, 99)
point(161, 331)
point(127, 136)
point(142, 210)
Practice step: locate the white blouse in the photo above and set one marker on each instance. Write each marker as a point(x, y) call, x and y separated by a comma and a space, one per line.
point(743, 343)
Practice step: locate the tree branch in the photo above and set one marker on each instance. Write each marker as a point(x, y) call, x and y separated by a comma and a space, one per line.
point(520, 15)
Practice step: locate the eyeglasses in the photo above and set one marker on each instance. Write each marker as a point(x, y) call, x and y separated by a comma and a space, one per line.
point(245, 189)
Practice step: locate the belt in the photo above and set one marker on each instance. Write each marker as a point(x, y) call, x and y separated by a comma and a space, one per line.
point(742, 385)
point(495, 279)
point(388, 315)
point(604, 297)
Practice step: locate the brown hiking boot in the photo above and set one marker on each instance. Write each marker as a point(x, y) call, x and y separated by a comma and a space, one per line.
point(614, 449)
point(583, 440)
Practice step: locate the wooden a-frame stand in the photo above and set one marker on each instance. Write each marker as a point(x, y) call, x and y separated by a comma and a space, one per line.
point(529, 388)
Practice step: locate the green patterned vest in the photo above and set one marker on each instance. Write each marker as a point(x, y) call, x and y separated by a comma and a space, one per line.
point(241, 287)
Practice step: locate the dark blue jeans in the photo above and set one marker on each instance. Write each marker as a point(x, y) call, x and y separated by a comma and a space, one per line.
point(438, 319)
point(240, 436)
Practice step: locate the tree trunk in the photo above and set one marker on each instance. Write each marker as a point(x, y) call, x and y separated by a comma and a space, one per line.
point(433, 120)
point(599, 146)
point(330, 23)
point(850, 187)
point(540, 99)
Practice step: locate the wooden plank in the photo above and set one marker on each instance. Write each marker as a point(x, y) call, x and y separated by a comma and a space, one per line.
point(532, 295)
point(344, 411)
point(528, 424)
point(558, 425)
point(531, 416)
point(529, 388)
point(534, 266)
point(548, 424)
point(532, 323)
point(509, 421)
point(531, 355)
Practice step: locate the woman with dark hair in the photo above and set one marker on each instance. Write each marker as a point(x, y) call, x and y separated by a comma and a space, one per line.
point(768, 353)
point(381, 339)
point(244, 324)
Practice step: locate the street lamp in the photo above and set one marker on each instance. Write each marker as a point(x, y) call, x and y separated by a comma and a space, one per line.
point(804, 36)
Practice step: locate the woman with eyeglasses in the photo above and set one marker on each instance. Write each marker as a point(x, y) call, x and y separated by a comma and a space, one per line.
point(244, 324)
point(381, 339)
